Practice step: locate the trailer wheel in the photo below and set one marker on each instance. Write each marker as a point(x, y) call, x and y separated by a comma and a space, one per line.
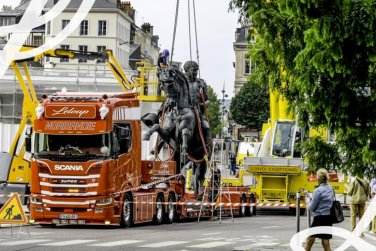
point(252, 209)
point(159, 210)
point(127, 212)
point(242, 208)
point(171, 209)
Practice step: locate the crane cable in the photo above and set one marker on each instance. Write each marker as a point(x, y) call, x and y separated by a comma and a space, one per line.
point(176, 24)
point(189, 29)
point(197, 52)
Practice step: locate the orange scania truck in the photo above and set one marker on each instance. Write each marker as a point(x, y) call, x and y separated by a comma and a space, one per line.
point(90, 165)
point(88, 168)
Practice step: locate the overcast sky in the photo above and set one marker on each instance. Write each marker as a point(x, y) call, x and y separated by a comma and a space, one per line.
point(215, 26)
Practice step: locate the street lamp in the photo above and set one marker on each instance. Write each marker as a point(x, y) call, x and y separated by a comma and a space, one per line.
point(224, 95)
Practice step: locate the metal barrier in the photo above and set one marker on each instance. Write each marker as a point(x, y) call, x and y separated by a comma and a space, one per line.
point(297, 212)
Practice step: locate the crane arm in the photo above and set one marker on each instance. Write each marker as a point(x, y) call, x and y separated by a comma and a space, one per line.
point(106, 56)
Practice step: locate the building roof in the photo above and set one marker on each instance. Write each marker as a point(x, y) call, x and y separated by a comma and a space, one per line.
point(241, 35)
point(98, 4)
point(11, 13)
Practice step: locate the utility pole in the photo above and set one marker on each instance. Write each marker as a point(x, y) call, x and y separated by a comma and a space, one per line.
point(222, 134)
point(224, 95)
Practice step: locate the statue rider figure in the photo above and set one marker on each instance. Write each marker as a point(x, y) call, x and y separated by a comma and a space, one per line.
point(199, 98)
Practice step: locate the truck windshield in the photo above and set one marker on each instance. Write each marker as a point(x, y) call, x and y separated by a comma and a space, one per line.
point(283, 139)
point(72, 145)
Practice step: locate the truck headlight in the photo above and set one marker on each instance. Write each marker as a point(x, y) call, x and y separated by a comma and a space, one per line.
point(35, 200)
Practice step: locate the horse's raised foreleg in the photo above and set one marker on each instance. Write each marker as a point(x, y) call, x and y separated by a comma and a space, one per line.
point(154, 128)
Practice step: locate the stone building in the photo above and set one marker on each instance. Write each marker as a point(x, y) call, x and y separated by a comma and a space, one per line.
point(243, 64)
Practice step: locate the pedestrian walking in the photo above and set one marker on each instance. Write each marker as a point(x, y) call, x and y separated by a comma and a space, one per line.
point(359, 191)
point(320, 204)
point(373, 193)
point(232, 165)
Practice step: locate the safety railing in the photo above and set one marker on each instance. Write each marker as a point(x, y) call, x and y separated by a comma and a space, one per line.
point(148, 82)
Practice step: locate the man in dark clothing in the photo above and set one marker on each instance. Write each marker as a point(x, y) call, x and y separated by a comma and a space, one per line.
point(232, 165)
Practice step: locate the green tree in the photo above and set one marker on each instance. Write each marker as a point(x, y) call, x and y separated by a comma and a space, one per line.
point(250, 106)
point(214, 112)
point(325, 52)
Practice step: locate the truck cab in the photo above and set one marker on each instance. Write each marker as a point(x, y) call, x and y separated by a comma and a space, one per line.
point(86, 150)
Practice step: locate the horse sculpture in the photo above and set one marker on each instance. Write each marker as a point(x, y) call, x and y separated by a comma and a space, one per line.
point(180, 127)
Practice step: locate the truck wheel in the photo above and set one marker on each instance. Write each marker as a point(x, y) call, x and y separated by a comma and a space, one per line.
point(159, 210)
point(127, 212)
point(171, 209)
point(252, 209)
point(242, 208)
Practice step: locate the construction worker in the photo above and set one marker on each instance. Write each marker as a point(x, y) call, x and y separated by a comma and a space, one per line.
point(199, 97)
point(163, 64)
point(163, 59)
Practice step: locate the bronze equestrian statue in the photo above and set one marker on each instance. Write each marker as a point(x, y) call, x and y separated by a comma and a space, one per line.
point(185, 127)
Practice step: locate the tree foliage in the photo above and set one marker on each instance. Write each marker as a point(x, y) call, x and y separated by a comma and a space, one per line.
point(325, 52)
point(213, 110)
point(250, 106)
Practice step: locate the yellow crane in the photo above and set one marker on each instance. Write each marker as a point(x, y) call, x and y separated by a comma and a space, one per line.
point(278, 169)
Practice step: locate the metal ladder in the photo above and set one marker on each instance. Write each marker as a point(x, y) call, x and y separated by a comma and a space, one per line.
point(216, 166)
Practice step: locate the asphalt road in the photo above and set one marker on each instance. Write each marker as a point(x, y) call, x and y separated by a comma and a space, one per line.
point(261, 232)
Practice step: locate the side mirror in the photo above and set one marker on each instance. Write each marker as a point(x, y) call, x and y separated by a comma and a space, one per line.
point(28, 144)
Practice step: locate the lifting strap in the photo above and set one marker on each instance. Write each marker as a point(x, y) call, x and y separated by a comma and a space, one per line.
point(198, 57)
point(189, 29)
point(176, 24)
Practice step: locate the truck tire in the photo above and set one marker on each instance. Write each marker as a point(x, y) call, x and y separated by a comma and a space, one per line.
point(252, 209)
point(127, 212)
point(171, 209)
point(159, 210)
point(243, 209)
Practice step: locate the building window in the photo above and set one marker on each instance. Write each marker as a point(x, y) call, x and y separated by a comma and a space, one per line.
point(101, 49)
point(64, 23)
point(64, 47)
point(102, 28)
point(84, 28)
point(37, 41)
point(247, 66)
point(5, 21)
point(82, 48)
point(48, 28)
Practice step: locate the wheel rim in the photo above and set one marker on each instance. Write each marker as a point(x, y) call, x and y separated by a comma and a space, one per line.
point(171, 211)
point(243, 209)
point(126, 210)
point(159, 210)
